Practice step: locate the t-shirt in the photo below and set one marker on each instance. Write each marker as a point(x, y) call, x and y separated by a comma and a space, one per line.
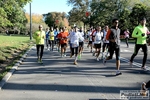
point(126, 34)
point(89, 34)
point(39, 37)
point(98, 37)
point(104, 35)
point(114, 34)
point(47, 34)
point(55, 34)
point(51, 35)
point(92, 35)
point(63, 37)
point(82, 34)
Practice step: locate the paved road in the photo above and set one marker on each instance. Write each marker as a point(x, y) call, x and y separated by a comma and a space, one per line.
point(59, 79)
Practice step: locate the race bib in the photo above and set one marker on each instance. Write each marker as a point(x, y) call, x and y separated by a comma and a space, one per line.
point(76, 44)
point(97, 41)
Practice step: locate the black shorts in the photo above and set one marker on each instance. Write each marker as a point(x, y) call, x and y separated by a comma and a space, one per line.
point(58, 40)
point(81, 44)
point(63, 45)
point(97, 45)
point(105, 45)
point(90, 42)
point(113, 48)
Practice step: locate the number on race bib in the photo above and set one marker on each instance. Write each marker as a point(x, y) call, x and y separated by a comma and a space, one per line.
point(75, 45)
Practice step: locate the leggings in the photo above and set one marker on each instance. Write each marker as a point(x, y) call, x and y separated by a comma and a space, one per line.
point(126, 39)
point(47, 42)
point(51, 42)
point(136, 49)
point(40, 48)
point(76, 50)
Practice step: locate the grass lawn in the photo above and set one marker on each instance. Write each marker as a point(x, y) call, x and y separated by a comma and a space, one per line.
point(11, 49)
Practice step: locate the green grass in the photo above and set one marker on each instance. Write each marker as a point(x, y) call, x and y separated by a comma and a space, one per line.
point(10, 45)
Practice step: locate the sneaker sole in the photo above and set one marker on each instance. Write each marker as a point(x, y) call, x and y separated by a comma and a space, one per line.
point(118, 74)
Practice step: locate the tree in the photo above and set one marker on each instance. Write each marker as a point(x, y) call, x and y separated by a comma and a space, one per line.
point(103, 11)
point(13, 14)
point(54, 19)
point(139, 10)
point(77, 14)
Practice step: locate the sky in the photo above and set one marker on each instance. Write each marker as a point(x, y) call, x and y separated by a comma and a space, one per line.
point(46, 6)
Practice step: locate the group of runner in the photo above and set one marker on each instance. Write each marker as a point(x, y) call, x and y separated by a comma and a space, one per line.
point(75, 38)
point(100, 39)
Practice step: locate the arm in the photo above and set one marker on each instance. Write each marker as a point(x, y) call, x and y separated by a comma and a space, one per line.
point(107, 35)
point(35, 35)
point(135, 33)
point(44, 35)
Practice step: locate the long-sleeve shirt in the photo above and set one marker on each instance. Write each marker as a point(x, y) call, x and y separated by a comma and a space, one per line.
point(74, 38)
point(137, 33)
point(39, 37)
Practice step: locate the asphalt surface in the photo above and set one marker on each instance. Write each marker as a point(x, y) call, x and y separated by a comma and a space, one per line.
point(59, 79)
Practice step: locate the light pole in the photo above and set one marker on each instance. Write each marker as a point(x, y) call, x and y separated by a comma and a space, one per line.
point(30, 23)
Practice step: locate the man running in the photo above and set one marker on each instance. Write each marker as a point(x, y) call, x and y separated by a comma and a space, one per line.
point(47, 38)
point(74, 40)
point(113, 35)
point(51, 39)
point(90, 39)
point(81, 42)
point(63, 41)
point(105, 42)
point(98, 35)
point(39, 36)
point(140, 33)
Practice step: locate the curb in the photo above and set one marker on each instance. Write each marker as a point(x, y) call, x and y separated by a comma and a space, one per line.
point(13, 69)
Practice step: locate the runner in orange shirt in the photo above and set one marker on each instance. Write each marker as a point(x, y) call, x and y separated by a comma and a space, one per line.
point(63, 41)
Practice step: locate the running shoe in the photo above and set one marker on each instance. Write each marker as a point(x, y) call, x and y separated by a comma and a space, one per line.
point(41, 61)
point(131, 64)
point(97, 59)
point(93, 54)
point(118, 73)
point(75, 62)
point(79, 56)
point(144, 68)
point(104, 61)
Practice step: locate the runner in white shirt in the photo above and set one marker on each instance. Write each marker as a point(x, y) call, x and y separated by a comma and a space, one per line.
point(105, 42)
point(98, 41)
point(74, 43)
point(90, 39)
point(81, 42)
